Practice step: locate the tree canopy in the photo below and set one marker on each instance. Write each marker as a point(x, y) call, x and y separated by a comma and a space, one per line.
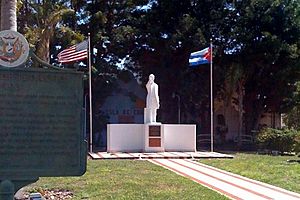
point(256, 47)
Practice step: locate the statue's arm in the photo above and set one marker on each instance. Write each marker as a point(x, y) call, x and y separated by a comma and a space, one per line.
point(148, 86)
point(156, 95)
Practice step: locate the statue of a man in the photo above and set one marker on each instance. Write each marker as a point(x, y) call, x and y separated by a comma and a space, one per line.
point(152, 102)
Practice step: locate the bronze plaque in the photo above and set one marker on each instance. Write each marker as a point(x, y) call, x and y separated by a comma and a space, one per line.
point(154, 142)
point(41, 123)
point(154, 131)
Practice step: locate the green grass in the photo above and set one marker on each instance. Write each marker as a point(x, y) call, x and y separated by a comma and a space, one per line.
point(269, 169)
point(128, 179)
point(135, 179)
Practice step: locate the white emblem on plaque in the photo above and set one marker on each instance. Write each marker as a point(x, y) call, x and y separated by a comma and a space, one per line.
point(14, 49)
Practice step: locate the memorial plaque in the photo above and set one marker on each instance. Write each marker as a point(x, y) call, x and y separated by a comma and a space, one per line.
point(154, 131)
point(41, 123)
point(154, 142)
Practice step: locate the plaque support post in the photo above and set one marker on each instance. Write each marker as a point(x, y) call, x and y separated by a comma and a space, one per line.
point(8, 188)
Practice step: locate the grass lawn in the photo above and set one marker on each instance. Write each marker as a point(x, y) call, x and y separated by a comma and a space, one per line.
point(128, 179)
point(269, 169)
point(135, 179)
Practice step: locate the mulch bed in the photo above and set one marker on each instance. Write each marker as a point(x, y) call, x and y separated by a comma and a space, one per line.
point(56, 194)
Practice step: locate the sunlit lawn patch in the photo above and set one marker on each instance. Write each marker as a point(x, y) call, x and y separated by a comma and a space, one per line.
point(274, 170)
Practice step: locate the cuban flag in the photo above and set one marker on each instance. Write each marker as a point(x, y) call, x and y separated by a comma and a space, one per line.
point(200, 57)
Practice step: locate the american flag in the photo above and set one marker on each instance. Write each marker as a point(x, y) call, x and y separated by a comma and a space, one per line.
point(74, 53)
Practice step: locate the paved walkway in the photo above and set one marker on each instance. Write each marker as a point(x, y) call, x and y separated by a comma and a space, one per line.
point(165, 155)
point(229, 184)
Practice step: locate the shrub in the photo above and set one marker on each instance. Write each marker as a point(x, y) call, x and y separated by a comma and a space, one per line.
point(282, 140)
point(297, 144)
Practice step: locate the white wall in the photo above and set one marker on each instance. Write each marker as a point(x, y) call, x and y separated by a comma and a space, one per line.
point(179, 137)
point(131, 137)
point(125, 137)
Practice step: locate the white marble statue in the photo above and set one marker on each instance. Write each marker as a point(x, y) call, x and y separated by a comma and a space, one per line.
point(152, 102)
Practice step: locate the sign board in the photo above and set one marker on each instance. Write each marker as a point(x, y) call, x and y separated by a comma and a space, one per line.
point(14, 49)
point(41, 123)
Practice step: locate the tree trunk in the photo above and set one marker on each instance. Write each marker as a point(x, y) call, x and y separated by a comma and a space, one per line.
point(254, 109)
point(9, 15)
point(241, 110)
point(44, 45)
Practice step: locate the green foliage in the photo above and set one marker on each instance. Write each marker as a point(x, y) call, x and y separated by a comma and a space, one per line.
point(44, 23)
point(263, 43)
point(297, 144)
point(256, 46)
point(292, 116)
point(283, 140)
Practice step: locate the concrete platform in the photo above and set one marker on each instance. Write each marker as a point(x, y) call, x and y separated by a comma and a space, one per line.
point(158, 155)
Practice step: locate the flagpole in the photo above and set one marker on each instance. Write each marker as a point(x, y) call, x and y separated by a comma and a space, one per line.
point(90, 92)
point(211, 100)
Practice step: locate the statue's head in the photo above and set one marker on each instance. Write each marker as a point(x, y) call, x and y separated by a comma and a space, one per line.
point(151, 78)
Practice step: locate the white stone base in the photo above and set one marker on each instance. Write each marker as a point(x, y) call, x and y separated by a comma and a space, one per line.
point(132, 138)
point(125, 137)
point(180, 137)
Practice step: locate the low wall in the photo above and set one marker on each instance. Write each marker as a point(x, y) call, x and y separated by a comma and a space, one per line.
point(179, 137)
point(125, 137)
point(131, 137)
